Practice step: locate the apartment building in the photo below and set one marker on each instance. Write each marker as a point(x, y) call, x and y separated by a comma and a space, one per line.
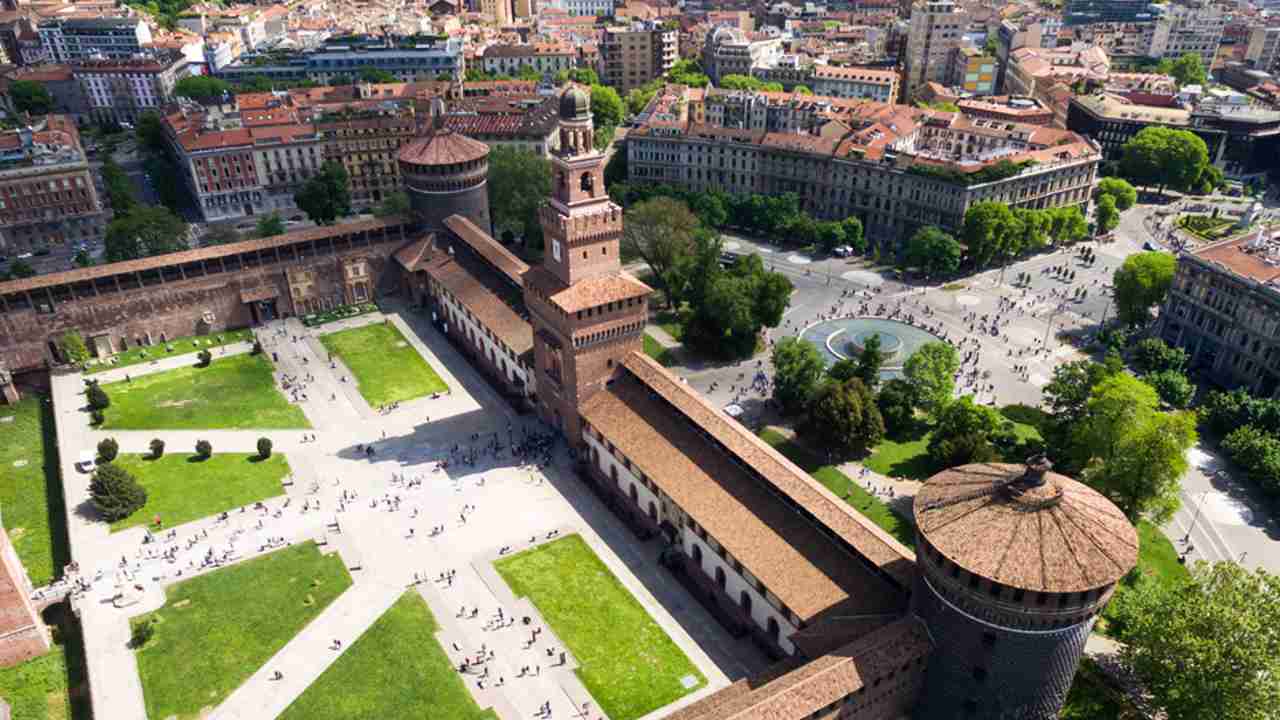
point(47, 194)
point(729, 50)
point(119, 90)
point(546, 58)
point(1194, 28)
point(583, 8)
point(856, 82)
point(408, 58)
point(1085, 12)
point(936, 29)
point(1263, 50)
point(972, 70)
point(67, 39)
point(632, 55)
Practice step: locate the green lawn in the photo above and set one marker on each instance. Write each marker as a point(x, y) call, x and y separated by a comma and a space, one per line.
point(216, 630)
point(1091, 698)
point(672, 323)
point(872, 507)
point(235, 392)
point(1157, 558)
point(31, 495)
point(655, 350)
point(395, 669)
point(181, 346)
point(181, 488)
point(628, 664)
point(907, 456)
point(386, 367)
point(52, 686)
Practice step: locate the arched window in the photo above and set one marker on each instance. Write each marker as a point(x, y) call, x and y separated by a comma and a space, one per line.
point(697, 555)
point(635, 497)
point(613, 475)
point(745, 599)
point(653, 512)
point(587, 183)
point(720, 578)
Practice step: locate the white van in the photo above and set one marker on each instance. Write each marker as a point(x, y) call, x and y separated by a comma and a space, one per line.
point(86, 462)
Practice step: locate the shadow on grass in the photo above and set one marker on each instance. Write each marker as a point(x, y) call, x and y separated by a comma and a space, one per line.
point(66, 632)
point(55, 500)
point(255, 459)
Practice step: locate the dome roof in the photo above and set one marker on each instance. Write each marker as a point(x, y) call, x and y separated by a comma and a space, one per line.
point(1026, 527)
point(442, 147)
point(728, 34)
point(575, 104)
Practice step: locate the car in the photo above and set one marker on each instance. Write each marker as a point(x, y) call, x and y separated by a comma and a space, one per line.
point(86, 463)
point(842, 251)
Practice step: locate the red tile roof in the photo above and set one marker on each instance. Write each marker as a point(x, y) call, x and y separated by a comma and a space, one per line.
point(443, 147)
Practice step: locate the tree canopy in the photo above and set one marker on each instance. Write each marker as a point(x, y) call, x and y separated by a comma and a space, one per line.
point(990, 230)
point(798, 369)
point(1106, 217)
point(1141, 283)
point(966, 432)
point(842, 417)
point(30, 97)
point(326, 196)
point(269, 225)
point(661, 231)
point(115, 493)
point(143, 232)
point(200, 87)
point(931, 371)
point(1118, 188)
point(1186, 70)
point(745, 82)
point(933, 251)
point(688, 72)
point(1164, 157)
point(519, 181)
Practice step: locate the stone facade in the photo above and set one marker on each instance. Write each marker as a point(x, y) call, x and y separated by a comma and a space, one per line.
point(22, 636)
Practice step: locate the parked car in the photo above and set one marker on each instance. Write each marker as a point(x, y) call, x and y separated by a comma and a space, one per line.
point(86, 463)
point(842, 251)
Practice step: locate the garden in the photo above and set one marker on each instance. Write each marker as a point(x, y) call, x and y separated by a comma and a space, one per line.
point(1206, 227)
point(342, 312)
point(171, 348)
point(387, 368)
point(181, 487)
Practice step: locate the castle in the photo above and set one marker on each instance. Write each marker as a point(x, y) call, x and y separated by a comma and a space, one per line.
point(986, 619)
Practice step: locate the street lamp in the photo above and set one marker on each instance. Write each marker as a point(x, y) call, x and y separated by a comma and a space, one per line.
point(1196, 517)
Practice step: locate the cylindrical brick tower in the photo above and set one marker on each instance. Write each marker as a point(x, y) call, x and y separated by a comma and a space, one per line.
point(1015, 563)
point(445, 174)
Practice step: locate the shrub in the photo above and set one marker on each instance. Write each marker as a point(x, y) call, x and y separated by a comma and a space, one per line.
point(205, 358)
point(96, 417)
point(116, 493)
point(142, 634)
point(204, 449)
point(98, 399)
point(107, 450)
point(157, 448)
point(264, 448)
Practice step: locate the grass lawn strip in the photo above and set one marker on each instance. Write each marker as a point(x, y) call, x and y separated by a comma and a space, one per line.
point(655, 350)
point(181, 488)
point(31, 495)
point(871, 507)
point(216, 630)
point(160, 351)
point(53, 686)
point(628, 664)
point(386, 367)
point(395, 669)
point(234, 393)
point(1157, 559)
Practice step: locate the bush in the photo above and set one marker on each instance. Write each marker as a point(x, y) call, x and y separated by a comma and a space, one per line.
point(142, 634)
point(157, 449)
point(257, 348)
point(1172, 386)
point(204, 449)
point(98, 399)
point(96, 417)
point(115, 493)
point(107, 450)
point(896, 406)
point(205, 358)
point(264, 448)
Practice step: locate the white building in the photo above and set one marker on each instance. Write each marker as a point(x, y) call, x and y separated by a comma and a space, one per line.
point(1186, 29)
point(121, 90)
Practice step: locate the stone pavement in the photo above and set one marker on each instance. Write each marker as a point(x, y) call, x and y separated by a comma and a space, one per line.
point(379, 513)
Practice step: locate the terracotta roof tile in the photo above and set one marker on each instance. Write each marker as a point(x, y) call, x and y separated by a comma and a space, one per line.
point(487, 247)
point(588, 293)
point(488, 294)
point(443, 147)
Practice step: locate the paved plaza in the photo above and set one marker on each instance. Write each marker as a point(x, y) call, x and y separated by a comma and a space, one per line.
point(399, 518)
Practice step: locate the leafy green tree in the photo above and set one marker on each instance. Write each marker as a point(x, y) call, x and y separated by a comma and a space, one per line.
point(30, 97)
point(269, 225)
point(688, 72)
point(519, 181)
point(1067, 224)
point(1141, 283)
point(1153, 355)
point(1118, 188)
point(607, 109)
point(115, 493)
point(376, 75)
point(1119, 403)
point(730, 307)
point(118, 188)
point(108, 448)
point(897, 405)
point(21, 269)
point(326, 196)
point(1207, 646)
point(201, 87)
point(870, 360)
point(801, 90)
point(97, 397)
point(145, 231)
point(1141, 474)
point(157, 448)
point(73, 347)
point(931, 371)
point(798, 368)
point(829, 235)
point(1172, 386)
point(1106, 217)
point(933, 251)
point(710, 207)
point(1211, 178)
point(1258, 453)
point(843, 369)
point(989, 231)
point(149, 130)
point(397, 203)
point(639, 98)
point(1067, 393)
point(82, 259)
point(1186, 70)
point(661, 232)
point(264, 447)
point(853, 235)
point(965, 433)
point(1164, 157)
point(744, 82)
point(843, 418)
point(219, 235)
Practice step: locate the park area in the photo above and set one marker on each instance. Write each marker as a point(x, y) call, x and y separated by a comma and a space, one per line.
point(171, 348)
point(30, 489)
point(395, 669)
point(181, 488)
point(626, 661)
point(216, 630)
point(386, 367)
point(233, 393)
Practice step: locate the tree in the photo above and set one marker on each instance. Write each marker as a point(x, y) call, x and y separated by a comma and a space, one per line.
point(1067, 224)
point(582, 76)
point(897, 406)
point(1164, 157)
point(115, 493)
point(326, 196)
point(1211, 178)
point(1106, 217)
point(829, 235)
point(802, 90)
point(931, 371)
point(1172, 386)
point(734, 81)
point(30, 97)
point(97, 397)
point(1186, 70)
point(933, 251)
point(1152, 355)
point(83, 259)
point(661, 231)
point(798, 368)
point(853, 235)
point(1207, 646)
point(201, 87)
point(989, 228)
point(607, 109)
point(1141, 284)
point(842, 370)
point(118, 188)
point(219, 235)
point(843, 418)
point(870, 359)
point(518, 183)
point(1141, 474)
point(269, 225)
point(965, 432)
point(376, 75)
point(1118, 404)
point(157, 448)
point(21, 269)
point(264, 448)
point(149, 129)
point(108, 448)
point(397, 203)
point(1120, 190)
point(73, 347)
point(688, 72)
point(145, 231)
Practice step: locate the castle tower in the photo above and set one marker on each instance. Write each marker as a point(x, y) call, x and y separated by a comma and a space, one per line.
point(587, 313)
point(1015, 565)
point(445, 173)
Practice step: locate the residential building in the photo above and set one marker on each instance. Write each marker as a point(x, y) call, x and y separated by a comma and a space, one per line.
point(1193, 28)
point(409, 59)
point(973, 71)
point(1053, 77)
point(1009, 108)
point(78, 38)
point(47, 196)
point(633, 54)
point(731, 51)
point(584, 8)
point(1085, 12)
point(936, 29)
point(63, 87)
point(523, 122)
point(546, 58)
point(856, 82)
point(120, 90)
point(1263, 50)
